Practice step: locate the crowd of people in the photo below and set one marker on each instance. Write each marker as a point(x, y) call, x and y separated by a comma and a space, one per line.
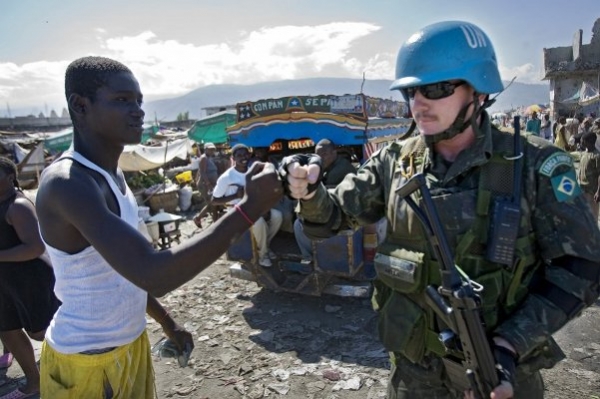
point(564, 132)
point(96, 276)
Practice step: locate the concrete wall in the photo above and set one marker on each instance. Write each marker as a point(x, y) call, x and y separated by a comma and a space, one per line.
point(33, 122)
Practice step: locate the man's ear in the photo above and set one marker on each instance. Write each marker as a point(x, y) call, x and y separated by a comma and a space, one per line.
point(77, 104)
point(483, 98)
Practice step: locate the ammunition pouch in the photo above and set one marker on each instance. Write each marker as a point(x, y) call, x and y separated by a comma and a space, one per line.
point(402, 326)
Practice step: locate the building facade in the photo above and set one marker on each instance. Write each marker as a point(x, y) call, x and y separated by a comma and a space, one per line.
point(574, 75)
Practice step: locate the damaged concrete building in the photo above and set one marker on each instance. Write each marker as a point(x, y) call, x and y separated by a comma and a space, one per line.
point(574, 75)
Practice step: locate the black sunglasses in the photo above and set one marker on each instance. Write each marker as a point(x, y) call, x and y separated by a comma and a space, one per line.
point(433, 91)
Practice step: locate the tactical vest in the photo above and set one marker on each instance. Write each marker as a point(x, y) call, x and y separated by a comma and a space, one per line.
point(405, 264)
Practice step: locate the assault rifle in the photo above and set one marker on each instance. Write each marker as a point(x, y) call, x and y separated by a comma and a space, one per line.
point(457, 303)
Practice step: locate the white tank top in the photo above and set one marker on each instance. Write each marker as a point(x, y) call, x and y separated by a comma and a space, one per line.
point(100, 308)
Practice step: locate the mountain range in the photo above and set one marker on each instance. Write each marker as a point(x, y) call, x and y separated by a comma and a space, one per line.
point(223, 95)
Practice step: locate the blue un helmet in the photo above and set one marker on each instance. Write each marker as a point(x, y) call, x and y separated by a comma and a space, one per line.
point(451, 50)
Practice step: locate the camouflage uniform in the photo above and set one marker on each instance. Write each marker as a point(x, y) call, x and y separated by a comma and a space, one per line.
point(588, 173)
point(525, 303)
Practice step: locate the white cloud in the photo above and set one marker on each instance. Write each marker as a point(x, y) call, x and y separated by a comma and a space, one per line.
point(526, 73)
point(168, 67)
point(283, 52)
point(35, 83)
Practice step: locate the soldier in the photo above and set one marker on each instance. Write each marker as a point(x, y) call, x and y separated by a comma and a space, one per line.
point(446, 72)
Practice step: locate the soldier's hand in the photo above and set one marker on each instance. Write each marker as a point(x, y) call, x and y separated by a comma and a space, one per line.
point(263, 187)
point(502, 391)
point(506, 366)
point(301, 175)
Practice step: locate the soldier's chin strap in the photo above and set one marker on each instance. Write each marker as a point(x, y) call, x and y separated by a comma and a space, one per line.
point(460, 124)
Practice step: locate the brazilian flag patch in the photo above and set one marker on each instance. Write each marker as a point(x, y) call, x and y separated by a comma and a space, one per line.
point(565, 186)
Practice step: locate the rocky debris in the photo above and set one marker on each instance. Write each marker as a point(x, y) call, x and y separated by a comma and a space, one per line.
point(258, 348)
point(252, 343)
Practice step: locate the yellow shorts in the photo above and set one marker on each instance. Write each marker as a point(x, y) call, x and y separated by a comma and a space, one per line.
point(125, 372)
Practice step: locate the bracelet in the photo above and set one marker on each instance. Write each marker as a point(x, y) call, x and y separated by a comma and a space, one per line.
point(241, 211)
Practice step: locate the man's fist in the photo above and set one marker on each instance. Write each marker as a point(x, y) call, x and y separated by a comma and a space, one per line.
point(301, 175)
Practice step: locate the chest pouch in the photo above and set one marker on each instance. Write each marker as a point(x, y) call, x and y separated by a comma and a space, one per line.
point(401, 269)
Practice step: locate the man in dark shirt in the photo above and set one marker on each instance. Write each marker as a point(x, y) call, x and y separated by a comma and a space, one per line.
point(335, 168)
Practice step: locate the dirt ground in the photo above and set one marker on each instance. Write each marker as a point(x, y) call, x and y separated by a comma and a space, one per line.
point(252, 343)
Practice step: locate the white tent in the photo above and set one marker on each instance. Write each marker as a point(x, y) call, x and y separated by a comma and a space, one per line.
point(140, 157)
point(588, 94)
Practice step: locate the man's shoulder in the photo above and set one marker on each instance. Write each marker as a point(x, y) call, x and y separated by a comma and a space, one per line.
point(231, 175)
point(62, 170)
point(65, 183)
point(227, 173)
point(345, 163)
point(549, 161)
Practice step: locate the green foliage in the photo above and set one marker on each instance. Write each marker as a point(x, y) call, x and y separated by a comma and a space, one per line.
point(139, 180)
point(183, 116)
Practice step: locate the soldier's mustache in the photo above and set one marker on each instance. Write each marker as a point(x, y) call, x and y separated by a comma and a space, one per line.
point(425, 115)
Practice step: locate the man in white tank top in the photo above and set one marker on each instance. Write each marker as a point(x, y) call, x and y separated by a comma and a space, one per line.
point(107, 274)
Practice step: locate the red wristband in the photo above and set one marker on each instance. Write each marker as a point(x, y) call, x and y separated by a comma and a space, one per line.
point(241, 211)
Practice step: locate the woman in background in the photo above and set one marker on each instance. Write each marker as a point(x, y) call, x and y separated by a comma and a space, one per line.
point(27, 300)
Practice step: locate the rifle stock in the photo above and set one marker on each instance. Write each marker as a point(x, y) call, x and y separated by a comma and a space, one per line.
point(456, 302)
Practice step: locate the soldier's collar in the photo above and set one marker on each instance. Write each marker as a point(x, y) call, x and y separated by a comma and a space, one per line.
point(477, 154)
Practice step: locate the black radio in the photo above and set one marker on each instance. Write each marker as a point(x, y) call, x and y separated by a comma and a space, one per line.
point(506, 212)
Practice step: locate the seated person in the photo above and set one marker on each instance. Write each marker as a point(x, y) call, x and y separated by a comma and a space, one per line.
point(230, 190)
point(335, 168)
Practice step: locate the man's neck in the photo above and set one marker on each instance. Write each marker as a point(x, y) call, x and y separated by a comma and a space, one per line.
point(449, 149)
point(101, 155)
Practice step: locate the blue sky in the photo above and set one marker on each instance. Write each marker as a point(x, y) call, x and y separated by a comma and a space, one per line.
point(178, 45)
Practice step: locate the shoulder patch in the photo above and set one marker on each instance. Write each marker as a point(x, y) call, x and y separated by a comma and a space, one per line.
point(554, 161)
point(565, 186)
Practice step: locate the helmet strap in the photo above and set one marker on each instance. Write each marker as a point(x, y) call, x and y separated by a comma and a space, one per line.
point(409, 132)
point(460, 125)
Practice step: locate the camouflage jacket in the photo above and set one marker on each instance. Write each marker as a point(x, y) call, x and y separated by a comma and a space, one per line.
point(558, 217)
point(589, 171)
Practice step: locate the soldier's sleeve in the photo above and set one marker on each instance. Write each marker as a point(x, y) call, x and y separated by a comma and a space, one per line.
point(358, 200)
point(568, 241)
